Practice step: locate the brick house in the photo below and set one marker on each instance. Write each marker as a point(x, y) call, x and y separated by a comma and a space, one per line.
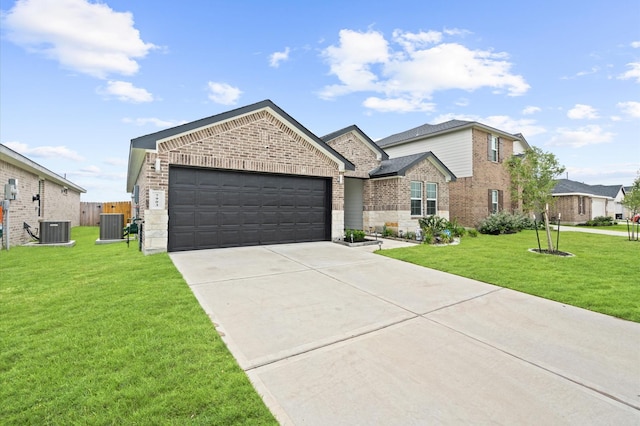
point(249, 176)
point(42, 195)
point(254, 175)
point(577, 202)
point(393, 193)
point(475, 154)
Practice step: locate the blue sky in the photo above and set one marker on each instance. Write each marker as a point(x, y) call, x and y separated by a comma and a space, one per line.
point(80, 79)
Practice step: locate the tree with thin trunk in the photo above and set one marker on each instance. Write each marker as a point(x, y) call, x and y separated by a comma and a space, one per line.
point(632, 199)
point(533, 177)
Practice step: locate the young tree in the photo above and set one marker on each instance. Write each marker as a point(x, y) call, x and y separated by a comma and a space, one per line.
point(632, 199)
point(533, 177)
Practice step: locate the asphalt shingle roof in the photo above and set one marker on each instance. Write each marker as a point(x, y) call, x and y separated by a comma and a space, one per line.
point(566, 186)
point(398, 166)
point(423, 130)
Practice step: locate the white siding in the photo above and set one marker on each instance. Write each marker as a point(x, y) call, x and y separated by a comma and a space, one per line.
point(455, 150)
point(518, 148)
point(598, 207)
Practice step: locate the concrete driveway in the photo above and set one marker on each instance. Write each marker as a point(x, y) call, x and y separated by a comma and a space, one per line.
point(336, 335)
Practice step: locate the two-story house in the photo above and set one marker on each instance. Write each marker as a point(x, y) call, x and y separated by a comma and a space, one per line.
point(475, 154)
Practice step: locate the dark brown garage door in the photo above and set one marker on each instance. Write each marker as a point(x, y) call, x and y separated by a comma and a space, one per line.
point(220, 208)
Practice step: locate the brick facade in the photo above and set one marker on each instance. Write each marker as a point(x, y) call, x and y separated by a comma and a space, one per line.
point(569, 206)
point(351, 147)
point(388, 200)
point(469, 196)
point(256, 142)
point(56, 202)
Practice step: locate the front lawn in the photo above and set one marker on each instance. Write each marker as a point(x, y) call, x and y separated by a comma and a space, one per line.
point(604, 276)
point(101, 334)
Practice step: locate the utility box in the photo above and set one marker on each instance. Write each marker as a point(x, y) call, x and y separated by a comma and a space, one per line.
point(55, 231)
point(111, 226)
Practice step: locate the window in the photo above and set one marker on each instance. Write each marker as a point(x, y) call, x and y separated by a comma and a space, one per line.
point(416, 198)
point(494, 148)
point(432, 199)
point(495, 201)
point(581, 205)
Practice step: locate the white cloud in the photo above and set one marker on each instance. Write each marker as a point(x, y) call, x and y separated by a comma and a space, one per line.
point(90, 38)
point(277, 57)
point(420, 65)
point(143, 121)
point(583, 136)
point(397, 105)
point(633, 73)
point(630, 108)
point(223, 93)
point(530, 110)
point(635, 44)
point(116, 161)
point(44, 151)
point(582, 112)
point(97, 173)
point(126, 92)
point(528, 127)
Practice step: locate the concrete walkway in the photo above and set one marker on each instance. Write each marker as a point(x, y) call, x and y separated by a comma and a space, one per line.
point(588, 230)
point(336, 335)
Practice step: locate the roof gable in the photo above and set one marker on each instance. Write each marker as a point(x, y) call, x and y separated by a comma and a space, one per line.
point(150, 142)
point(380, 154)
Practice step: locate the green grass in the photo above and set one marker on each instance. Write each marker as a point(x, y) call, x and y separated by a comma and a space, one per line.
point(604, 275)
point(101, 334)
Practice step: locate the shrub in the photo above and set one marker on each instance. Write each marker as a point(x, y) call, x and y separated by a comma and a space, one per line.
point(473, 233)
point(354, 235)
point(505, 223)
point(437, 230)
point(601, 221)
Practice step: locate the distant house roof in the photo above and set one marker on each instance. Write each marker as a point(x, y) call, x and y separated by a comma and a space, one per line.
point(570, 187)
point(429, 130)
point(149, 142)
point(22, 162)
point(353, 128)
point(399, 166)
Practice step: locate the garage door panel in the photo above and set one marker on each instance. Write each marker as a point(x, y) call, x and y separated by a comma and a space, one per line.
point(215, 208)
point(207, 218)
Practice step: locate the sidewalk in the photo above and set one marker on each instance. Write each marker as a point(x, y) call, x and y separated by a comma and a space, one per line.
point(590, 231)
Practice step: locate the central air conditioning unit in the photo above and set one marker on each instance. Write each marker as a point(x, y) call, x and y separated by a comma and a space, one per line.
point(55, 231)
point(111, 226)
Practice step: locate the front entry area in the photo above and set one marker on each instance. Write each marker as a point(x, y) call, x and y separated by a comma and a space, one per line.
point(211, 208)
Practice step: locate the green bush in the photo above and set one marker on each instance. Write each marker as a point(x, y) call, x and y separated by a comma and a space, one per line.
point(438, 230)
point(505, 223)
point(601, 221)
point(354, 235)
point(473, 233)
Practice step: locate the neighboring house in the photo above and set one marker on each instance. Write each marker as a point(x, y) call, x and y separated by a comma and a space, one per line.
point(578, 202)
point(475, 154)
point(393, 193)
point(256, 176)
point(42, 195)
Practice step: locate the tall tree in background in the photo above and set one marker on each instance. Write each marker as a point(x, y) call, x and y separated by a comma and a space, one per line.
point(533, 177)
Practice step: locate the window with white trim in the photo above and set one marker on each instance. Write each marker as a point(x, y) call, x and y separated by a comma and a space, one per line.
point(494, 150)
point(432, 199)
point(416, 198)
point(495, 201)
